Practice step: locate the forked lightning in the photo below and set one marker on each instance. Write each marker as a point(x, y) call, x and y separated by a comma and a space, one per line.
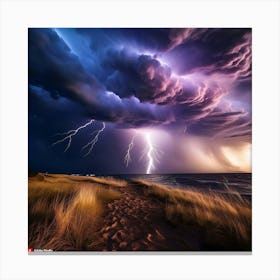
point(69, 134)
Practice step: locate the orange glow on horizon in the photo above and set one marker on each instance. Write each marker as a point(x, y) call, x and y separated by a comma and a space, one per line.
point(239, 156)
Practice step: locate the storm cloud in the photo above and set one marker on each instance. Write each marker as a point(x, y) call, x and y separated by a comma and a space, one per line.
point(134, 89)
point(174, 79)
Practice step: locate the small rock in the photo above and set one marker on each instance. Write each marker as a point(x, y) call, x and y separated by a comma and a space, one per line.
point(116, 238)
point(106, 235)
point(149, 237)
point(114, 225)
point(123, 244)
point(123, 221)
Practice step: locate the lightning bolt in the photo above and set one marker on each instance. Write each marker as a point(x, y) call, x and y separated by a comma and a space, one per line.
point(127, 157)
point(152, 153)
point(149, 153)
point(69, 134)
point(91, 143)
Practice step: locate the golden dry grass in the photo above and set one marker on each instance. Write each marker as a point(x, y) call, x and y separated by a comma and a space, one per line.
point(221, 218)
point(64, 178)
point(65, 214)
point(110, 181)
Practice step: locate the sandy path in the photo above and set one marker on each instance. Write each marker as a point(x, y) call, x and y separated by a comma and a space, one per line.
point(136, 222)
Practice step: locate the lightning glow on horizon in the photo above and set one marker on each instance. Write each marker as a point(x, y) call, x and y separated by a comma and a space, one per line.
point(93, 141)
point(69, 134)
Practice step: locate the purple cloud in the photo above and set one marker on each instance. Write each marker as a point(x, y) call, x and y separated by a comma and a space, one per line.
point(132, 88)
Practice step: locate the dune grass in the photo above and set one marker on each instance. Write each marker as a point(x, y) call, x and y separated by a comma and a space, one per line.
point(65, 214)
point(110, 181)
point(225, 222)
point(64, 178)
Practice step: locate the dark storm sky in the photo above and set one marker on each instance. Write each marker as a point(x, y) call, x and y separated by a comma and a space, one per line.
point(184, 93)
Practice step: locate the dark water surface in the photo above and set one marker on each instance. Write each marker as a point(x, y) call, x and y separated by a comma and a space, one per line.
point(226, 183)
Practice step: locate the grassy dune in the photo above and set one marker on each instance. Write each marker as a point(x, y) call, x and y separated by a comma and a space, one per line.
point(64, 213)
point(68, 213)
point(224, 222)
point(70, 179)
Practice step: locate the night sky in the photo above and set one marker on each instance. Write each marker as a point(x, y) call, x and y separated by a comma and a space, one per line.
point(178, 99)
